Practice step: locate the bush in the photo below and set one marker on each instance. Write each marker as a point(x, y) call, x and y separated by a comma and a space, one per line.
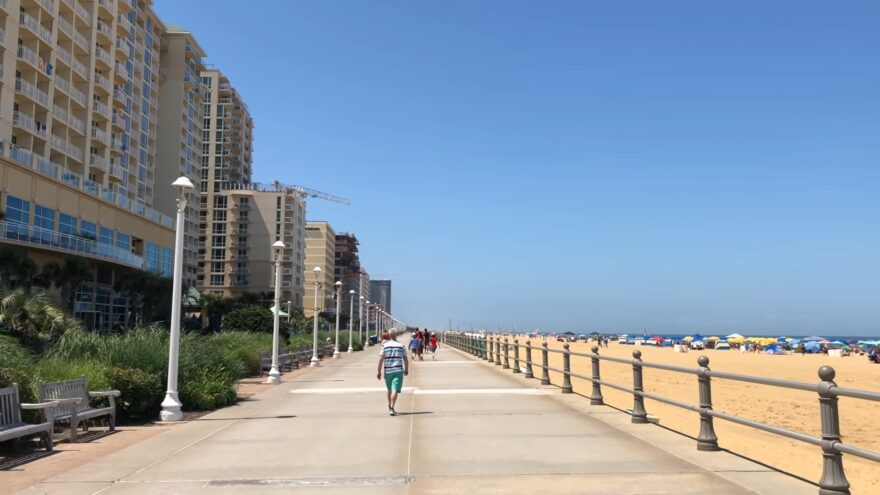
point(56, 369)
point(245, 347)
point(305, 340)
point(207, 391)
point(141, 393)
point(248, 319)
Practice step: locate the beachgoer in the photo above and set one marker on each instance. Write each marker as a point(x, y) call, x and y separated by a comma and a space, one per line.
point(433, 346)
point(394, 363)
point(414, 344)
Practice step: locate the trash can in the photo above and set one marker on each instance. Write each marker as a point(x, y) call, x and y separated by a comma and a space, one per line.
point(374, 339)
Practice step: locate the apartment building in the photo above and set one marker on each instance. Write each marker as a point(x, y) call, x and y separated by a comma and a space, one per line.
point(246, 221)
point(320, 252)
point(380, 293)
point(348, 269)
point(78, 139)
point(226, 153)
point(181, 100)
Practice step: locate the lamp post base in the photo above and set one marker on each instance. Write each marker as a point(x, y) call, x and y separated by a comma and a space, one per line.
point(315, 361)
point(171, 408)
point(336, 353)
point(350, 349)
point(274, 375)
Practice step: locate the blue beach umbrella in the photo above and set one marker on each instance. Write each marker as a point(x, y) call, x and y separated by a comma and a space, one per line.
point(814, 338)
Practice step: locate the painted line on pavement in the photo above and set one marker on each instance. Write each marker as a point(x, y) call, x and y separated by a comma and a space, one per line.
point(422, 391)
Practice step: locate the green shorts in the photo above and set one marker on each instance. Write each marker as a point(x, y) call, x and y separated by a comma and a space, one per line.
point(394, 381)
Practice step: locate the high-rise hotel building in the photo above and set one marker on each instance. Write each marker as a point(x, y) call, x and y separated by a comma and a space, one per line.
point(79, 96)
point(181, 99)
point(226, 158)
point(321, 253)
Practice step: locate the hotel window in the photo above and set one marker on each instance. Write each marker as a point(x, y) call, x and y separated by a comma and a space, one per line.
point(167, 261)
point(44, 217)
point(88, 230)
point(218, 254)
point(66, 224)
point(17, 210)
point(123, 241)
point(152, 256)
point(217, 279)
point(106, 236)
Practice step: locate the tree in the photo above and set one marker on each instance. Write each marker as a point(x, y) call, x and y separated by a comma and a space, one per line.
point(149, 296)
point(34, 318)
point(16, 269)
point(67, 277)
point(248, 319)
point(214, 306)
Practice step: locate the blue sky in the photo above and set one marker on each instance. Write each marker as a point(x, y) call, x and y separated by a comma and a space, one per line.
point(676, 166)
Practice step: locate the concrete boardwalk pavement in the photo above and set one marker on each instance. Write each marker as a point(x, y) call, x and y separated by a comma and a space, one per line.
point(463, 427)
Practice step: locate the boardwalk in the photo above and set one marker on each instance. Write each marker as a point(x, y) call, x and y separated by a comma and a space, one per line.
point(464, 427)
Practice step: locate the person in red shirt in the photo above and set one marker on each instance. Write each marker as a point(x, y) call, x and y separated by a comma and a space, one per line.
point(434, 346)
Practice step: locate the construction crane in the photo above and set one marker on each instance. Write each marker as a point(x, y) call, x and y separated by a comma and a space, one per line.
point(305, 192)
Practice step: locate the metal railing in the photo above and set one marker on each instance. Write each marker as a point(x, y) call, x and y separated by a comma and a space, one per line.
point(501, 349)
point(35, 236)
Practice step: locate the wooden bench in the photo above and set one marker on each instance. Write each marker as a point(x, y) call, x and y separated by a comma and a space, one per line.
point(11, 425)
point(78, 412)
point(285, 362)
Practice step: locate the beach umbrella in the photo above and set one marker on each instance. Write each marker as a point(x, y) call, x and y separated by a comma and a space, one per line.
point(688, 338)
point(714, 338)
point(814, 338)
point(657, 338)
point(697, 336)
point(735, 336)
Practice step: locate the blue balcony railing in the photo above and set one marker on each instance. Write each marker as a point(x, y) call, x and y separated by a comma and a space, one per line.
point(56, 241)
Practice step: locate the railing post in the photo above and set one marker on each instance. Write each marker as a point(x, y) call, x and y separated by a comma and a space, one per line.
point(545, 366)
point(497, 351)
point(596, 398)
point(833, 481)
point(506, 355)
point(639, 415)
point(488, 355)
point(516, 356)
point(706, 440)
point(566, 369)
point(529, 373)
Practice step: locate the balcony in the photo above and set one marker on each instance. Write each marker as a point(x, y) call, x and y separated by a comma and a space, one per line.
point(48, 5)
point(105, 29)
point(103, 83)
point(100, 135)
point(119, 70)
point(82, 12)
point(75, 152)
point(28, 89)
point(26, 122)
point(63, 55)
point(30, 56)
point(80, 68)
point(76, 124)
point(29, 22)
point(99, 162)
point(104, 56)
point(81, 41)
point(101, 108)
point(26, 235)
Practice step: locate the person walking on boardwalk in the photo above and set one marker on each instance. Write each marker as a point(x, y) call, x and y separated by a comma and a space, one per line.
point(394, 363)
point(434, 345)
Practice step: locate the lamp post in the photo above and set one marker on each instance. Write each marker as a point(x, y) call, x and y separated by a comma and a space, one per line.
point(338, 285)
point(350, 319)
point(274, 375)
point(315, 361)
point(361, 320)
point(288, 311)
point(367, 323)
point(171, 404)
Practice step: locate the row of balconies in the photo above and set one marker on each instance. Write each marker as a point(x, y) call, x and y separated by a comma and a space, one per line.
point(34, 26)
point(28, 89)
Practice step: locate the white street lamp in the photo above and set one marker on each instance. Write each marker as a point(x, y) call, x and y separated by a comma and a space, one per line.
point(171, 405)
point(288, 311)
point(367, 331)
point(274, 375)
point(315, 361)
point(350, 318)
point(338, 285)
point(361, 320)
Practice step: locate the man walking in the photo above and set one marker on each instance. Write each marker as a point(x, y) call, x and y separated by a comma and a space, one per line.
point(393, 360)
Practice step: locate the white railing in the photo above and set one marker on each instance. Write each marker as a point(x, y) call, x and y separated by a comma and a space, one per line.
point(120, 69)
point(59, 113)
point(4, 4)
point(99, 161)
point(29, 22)
point(103, 82)
point(75, 152)
point(99, 134)
point(49, 5)
point(67, 243)
point(64, 55)
point(78, 96)
point(81, 41)
point(104, 28)
point(100, 107)
point(28, 123)
point(77, 124)
point(29, 55)
point(104, 56)
point(28, 89)
point(80, 67)
point(65, 27)
point(59, 143)
point(124, 22)
point(79, 9)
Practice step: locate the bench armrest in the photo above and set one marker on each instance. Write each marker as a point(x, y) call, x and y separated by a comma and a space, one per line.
point(41, 405)
point(104, 393)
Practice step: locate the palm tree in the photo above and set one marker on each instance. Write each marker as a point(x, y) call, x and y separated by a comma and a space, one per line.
point(67, 277)
point(16, 269)
point(33, 317)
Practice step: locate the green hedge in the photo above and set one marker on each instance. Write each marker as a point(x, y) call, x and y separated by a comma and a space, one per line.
point(305, 340)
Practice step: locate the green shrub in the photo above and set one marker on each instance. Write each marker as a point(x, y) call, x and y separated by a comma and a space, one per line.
point(56, 369)
point(244, 347)
point(207, 391)
point(303, 340)
point(141, 393)
point(248, 319)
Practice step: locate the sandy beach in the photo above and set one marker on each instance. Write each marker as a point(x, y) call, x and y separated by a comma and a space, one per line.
point(791, 409)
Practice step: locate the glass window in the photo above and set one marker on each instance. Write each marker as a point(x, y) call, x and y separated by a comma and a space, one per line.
point(66, 224)
point(106, 236)
point(167, 261)
point(152, 258)
point(44, 217)
point(17, 210)
point(123, 241)
point(88, 230)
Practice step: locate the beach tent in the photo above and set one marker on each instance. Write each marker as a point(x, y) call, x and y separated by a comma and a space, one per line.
point(813, 338)
point(735, 336)
point(722, 345)
point(774, 349)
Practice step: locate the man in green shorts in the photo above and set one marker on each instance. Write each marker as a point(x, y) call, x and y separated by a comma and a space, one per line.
point(393, 360)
